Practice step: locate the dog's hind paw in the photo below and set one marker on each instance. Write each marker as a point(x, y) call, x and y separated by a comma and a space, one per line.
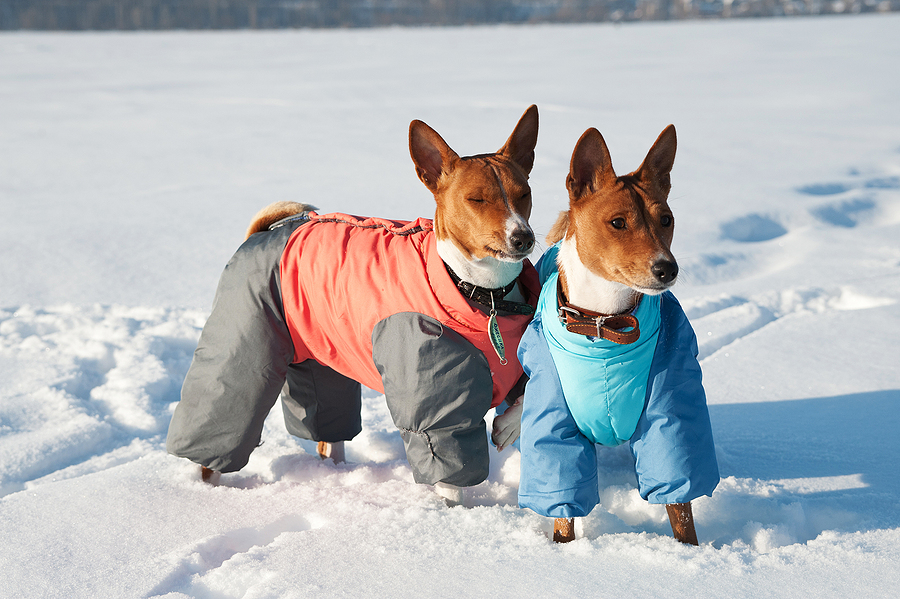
point(210, 476)
point(335, 451)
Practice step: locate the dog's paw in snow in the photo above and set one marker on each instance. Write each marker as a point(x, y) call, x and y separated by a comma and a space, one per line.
point(505, 429)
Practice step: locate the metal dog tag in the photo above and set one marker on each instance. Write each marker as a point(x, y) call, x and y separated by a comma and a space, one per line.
point(496, 337)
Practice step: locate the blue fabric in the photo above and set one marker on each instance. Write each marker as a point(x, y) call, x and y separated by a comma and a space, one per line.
point(546, 266)
point(673, 448)
point(604, 383)
point(558, 475)
point(672, 444)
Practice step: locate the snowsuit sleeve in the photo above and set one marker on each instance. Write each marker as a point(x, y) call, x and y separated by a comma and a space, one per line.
point(675, 458)
point(558, 464)
point(438, 389)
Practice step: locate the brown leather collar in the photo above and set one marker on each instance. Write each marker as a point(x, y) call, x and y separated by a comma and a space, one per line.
point(594, 324)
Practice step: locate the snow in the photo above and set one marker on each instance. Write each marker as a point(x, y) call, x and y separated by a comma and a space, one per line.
point(130, 165)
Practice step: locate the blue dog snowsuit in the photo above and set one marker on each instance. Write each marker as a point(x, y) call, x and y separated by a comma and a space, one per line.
point(587, 391)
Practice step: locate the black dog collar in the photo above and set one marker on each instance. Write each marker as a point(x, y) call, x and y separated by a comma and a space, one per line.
point(490, 298)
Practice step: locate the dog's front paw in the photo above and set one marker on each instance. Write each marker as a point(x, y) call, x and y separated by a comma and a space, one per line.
point(507, 425)
point(452, 495)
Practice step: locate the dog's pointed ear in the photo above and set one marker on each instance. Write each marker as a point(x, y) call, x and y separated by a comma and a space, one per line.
point(520, 145)
point(660, 159)
point(591, 166)
point(430, 153)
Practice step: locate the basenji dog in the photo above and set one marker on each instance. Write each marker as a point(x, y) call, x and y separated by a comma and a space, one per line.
point(429, 312)
point(610, 353)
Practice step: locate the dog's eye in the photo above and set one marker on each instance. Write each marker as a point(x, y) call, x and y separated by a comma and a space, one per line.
point(476, 200)
point(665, 220)
point(618, 223)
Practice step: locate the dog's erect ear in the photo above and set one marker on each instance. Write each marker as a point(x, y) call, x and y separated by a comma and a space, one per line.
point(591, 165)
point(430, 153)
point(660, 159)
point(520, 145)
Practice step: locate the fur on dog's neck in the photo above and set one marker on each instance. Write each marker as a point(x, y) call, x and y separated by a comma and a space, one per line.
point(487, 272)
point(586, 290)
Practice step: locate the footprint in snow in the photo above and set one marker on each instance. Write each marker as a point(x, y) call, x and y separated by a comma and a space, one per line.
point(845, 214)
point(850, 212)
point(752, 228)
point(824, 189)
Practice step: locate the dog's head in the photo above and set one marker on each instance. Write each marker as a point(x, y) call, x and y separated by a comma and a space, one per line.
point(483, 201)
point(622, 226)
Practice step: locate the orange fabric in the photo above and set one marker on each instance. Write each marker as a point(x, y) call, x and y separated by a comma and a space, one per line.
point(341, 275)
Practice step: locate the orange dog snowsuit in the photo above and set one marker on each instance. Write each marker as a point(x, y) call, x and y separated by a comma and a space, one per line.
point(321, 303)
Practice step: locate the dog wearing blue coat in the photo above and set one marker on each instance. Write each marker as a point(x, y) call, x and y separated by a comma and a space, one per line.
point(610, 355)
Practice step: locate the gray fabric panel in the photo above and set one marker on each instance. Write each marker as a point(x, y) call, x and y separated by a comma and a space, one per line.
point(438, 388)
point(321, 404)
point(240, 362)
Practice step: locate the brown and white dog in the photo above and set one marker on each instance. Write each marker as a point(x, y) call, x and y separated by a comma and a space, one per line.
point(614, 248)
point(617, 238)
point(482, 235)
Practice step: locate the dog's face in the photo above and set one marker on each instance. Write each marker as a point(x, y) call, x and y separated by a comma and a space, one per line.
point(623, 226)
point(484, 201)
point(483, 206)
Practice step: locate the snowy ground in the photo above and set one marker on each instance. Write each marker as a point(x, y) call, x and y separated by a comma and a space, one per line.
point(131, 163)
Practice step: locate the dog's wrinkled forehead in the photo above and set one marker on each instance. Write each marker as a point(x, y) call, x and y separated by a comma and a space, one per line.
point(490, 178)
point(509, 176)
point(625, 194)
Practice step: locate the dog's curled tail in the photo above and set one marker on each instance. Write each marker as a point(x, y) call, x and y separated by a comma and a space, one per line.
point(559, 228)
point(275, 212)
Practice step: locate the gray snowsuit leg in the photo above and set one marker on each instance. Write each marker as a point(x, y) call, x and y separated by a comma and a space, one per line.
point(321, 404)
point(438, 388)
point(241, 364)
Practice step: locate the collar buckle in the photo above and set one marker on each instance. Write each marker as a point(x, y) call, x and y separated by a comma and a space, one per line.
point(600, 321)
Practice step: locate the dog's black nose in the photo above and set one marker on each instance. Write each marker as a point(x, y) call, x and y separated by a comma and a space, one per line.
point(522, 240)
point(665, 271)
